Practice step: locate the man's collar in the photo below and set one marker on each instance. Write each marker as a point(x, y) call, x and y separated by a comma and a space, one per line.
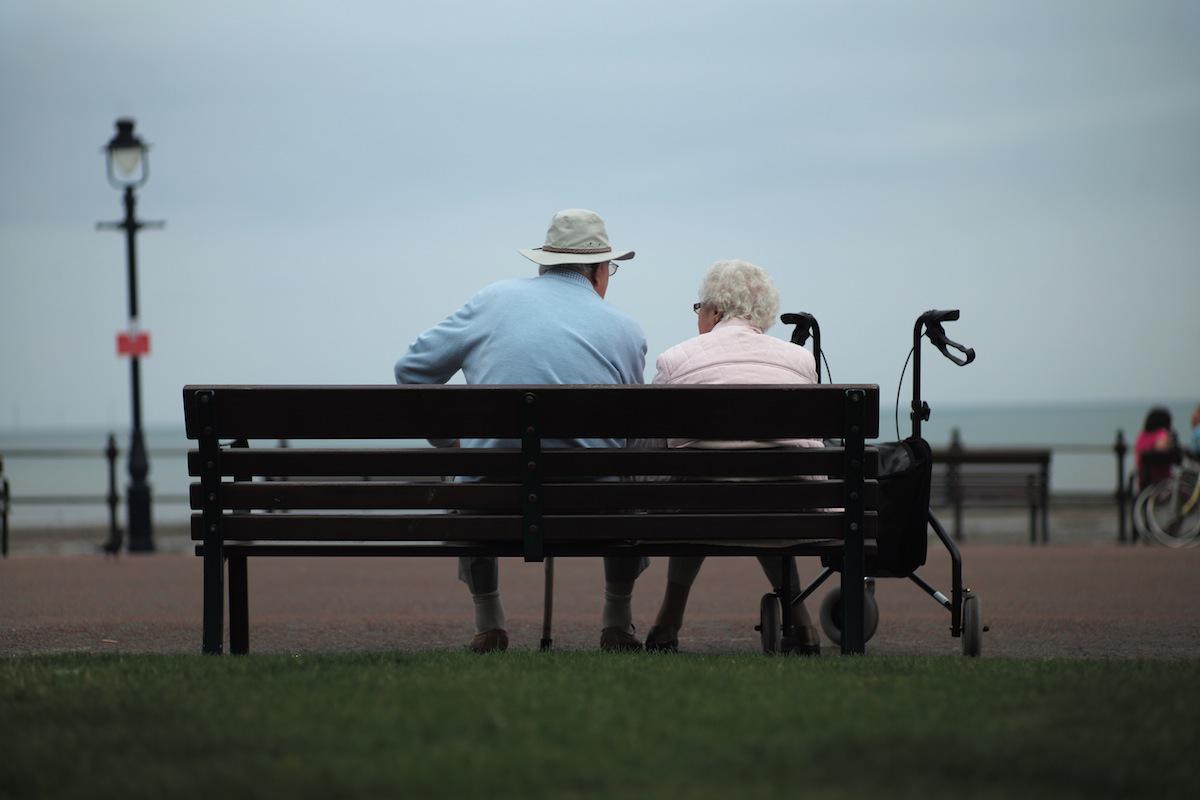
point(569, 275)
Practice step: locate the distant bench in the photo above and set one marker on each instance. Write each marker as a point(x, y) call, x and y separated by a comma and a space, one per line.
point(991, 477)
point(535, 502)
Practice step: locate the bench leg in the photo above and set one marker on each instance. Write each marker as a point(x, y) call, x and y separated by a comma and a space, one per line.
point(239, 607)
point(853, 567)
point(1045, 505)
point(214, 601)
point(853, 587)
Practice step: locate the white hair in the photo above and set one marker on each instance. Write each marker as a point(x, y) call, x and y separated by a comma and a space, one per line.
point(738, 288)
point(583, 269)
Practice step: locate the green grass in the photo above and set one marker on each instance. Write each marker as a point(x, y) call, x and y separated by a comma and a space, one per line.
point(589, 724)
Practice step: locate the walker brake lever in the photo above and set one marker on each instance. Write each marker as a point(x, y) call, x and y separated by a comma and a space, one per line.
point(804, 324)
point(937, 335)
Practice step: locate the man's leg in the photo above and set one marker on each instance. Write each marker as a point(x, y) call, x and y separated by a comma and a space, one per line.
point(617, 618)
point(481, 574)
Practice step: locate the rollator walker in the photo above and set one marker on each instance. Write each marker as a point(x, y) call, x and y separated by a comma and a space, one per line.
point(905, 469)
point(904, 475)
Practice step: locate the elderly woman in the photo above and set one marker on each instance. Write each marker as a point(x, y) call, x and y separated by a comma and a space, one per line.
point(737, 304)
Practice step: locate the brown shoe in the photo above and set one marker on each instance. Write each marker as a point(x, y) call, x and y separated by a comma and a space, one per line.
point(617, 640)
point(662, 639)
point(488, 641)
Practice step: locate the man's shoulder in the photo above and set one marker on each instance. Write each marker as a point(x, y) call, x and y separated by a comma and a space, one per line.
point(507, 286)
point(629, 323)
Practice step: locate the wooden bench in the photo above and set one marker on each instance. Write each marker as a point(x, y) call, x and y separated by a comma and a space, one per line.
point(991, 477)
point(535, 501)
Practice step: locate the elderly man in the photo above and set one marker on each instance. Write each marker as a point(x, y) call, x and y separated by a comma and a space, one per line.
point(552, 329)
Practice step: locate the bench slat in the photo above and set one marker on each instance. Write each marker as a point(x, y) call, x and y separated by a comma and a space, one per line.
point(397, 412)
point(491, 528)
point(565, 497)
point(557, 463)
point(565, 549)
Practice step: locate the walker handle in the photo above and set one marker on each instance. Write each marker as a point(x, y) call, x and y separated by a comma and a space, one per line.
point(937, 335)
point(804, 323)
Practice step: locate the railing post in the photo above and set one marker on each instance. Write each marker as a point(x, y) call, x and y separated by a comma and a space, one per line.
point(3, 511)
point(954, 481)
point(1045, 470)
point(113, 545)
point(1120, 449)
point(1032, 499)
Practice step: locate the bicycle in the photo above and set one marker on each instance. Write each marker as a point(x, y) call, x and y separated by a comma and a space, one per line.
point(1168, 511)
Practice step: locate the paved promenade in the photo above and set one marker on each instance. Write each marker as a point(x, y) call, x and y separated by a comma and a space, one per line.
point(1096, 601)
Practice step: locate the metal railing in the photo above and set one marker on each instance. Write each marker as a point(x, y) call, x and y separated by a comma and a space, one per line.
point(112, 498)
point(1122, 496)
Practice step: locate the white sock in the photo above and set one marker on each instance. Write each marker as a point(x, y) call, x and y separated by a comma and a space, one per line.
point(617, 610)
point(489, 614)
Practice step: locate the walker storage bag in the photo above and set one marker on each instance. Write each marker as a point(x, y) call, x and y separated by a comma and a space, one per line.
point(905, 470)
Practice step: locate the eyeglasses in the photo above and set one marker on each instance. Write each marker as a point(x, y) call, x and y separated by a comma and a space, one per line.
point(612, 269)
point(697, 306)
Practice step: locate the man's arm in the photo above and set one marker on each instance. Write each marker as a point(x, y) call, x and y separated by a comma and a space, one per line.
point(635, 371)
point(439, 352)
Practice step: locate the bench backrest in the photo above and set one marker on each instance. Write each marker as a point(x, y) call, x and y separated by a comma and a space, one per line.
point(529, 494)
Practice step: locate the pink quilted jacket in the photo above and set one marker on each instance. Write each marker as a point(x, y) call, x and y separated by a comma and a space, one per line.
point(735, 351)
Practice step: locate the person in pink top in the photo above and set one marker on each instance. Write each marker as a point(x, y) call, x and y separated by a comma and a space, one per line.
point(738, 303)
point(1156, 435)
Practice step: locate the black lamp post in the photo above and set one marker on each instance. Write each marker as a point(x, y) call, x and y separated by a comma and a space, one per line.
point(125, 155)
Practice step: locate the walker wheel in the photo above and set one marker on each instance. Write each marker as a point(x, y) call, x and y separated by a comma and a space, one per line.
point(770, 623)
point(831, 613)
point(972, 623)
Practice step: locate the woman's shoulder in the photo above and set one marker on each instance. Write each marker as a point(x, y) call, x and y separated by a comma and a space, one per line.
point(677, 355)
point(733, 347)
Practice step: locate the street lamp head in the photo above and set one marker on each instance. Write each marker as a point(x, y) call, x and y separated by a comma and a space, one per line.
point(126, 157)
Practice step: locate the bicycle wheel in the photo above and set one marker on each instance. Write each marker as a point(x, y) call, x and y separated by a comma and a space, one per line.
point(1172, 512)
point(1138, 516)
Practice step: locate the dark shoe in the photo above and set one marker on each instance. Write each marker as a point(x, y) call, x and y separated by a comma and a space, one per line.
point(663, 639)
point(617, 640)
point(797, 646)
point(489, 641)
point(797, 649)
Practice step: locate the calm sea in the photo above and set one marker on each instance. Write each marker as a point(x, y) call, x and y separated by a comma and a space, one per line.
point(1067, 427)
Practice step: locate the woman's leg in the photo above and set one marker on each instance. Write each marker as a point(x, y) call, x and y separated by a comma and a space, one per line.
point(806, 632)
point(681, 574)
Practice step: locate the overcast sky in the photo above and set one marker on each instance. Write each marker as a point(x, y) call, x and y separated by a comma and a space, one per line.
point(338, 177)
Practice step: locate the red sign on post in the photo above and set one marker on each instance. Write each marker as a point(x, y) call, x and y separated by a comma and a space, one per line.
point(137, 344)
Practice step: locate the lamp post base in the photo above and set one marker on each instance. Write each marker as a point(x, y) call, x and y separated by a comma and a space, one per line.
point(141, 528)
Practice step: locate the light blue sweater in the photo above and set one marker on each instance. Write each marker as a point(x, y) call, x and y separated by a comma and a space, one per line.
point(553, 329)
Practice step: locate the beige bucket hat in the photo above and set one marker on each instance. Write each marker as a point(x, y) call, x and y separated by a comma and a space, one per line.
point(575, 236)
